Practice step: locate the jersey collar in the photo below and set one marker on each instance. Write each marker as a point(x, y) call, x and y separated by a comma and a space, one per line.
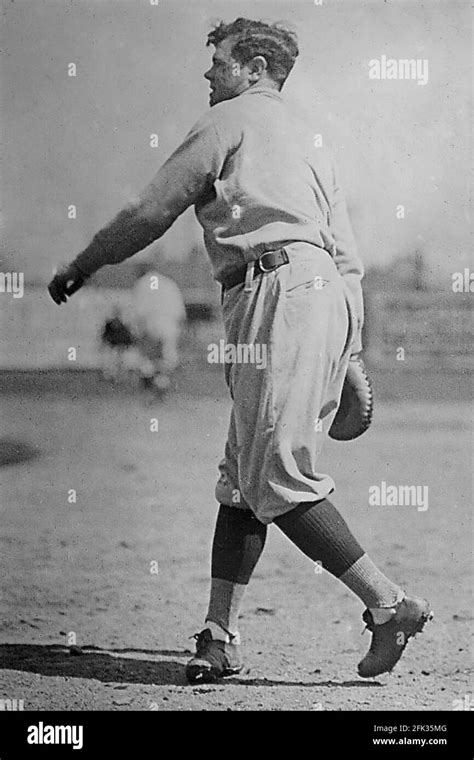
point(268, 91)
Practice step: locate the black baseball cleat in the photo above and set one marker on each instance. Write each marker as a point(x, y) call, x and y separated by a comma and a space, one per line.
point(214, 659)
point(390, 639)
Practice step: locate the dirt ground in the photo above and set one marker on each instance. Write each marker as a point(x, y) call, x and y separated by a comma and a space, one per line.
point(123, 571)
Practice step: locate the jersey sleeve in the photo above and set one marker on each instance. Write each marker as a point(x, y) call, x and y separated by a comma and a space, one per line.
point(178, 184)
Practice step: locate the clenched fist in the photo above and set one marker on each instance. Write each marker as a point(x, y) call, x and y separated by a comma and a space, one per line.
point(65, 282)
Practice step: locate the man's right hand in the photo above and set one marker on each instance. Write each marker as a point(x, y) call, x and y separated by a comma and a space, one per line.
point(65, 282)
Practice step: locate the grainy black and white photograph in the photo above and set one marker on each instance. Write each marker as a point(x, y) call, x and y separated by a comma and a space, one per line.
point(235, 357)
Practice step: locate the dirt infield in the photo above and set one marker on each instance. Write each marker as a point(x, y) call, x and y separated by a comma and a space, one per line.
point(122, 571)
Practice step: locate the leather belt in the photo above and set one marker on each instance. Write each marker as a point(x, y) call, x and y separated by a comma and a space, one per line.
point(267, 262)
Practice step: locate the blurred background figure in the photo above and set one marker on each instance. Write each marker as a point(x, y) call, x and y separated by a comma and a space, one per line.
point(117, 340)
point(158, 315)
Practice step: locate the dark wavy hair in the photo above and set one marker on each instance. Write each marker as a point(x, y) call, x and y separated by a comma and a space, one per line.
point(275, 42)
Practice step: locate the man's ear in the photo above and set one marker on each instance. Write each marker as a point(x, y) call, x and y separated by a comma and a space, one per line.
point(257, 66)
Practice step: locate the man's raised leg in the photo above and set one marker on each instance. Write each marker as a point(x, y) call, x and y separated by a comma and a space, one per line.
point(320, 531)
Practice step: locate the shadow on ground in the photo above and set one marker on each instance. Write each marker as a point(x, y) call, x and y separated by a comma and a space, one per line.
point(91, 662)
point(109, 666)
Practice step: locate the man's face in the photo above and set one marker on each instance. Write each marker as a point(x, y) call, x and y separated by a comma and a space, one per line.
point(226, 76)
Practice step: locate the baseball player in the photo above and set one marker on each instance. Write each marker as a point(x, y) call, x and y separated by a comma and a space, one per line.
point(280, 242)
point(158, 314)
point(116, 341)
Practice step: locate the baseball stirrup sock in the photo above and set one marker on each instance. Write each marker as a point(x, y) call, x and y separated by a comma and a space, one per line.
point(239, 539)
point(321, 532)
point(372, 586)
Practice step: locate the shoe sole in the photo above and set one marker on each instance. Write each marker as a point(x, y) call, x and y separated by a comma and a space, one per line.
point(198, 674)
point(424, 618)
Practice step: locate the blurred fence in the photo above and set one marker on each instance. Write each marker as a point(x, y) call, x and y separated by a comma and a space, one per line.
point(421, 329)
point(404, 330)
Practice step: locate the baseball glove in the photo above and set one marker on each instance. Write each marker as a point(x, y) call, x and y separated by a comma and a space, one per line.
point(354, 414)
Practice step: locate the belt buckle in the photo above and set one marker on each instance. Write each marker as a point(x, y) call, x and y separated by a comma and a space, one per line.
point(262, 268)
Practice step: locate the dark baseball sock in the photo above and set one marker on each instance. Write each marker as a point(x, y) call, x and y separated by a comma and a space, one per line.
point(321, 532)
point(239, 539)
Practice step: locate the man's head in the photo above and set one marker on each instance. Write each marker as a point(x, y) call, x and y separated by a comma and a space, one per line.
point(249, 53)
